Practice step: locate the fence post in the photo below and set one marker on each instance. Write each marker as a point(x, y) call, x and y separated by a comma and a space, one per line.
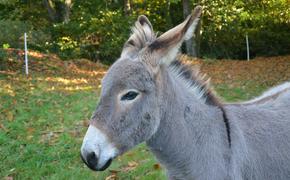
point(248, 48)
point(26, 57)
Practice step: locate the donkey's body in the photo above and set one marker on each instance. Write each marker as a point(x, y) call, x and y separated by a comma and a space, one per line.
point(193, 145)
point(172, 109)
point(261, 128)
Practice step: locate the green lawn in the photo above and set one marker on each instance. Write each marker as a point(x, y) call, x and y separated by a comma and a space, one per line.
point(42, 126)
point(41, 132)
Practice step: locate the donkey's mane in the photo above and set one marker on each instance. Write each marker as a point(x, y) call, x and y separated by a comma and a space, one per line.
point(196, 80)
point(140, 37)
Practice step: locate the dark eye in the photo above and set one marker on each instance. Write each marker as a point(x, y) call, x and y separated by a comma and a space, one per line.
point(129, 96)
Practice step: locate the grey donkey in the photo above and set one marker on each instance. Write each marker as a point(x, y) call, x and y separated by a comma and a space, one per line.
point(149, 96)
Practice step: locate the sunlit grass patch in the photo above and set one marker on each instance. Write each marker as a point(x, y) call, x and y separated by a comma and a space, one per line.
point(43, 118)
point(41, 135)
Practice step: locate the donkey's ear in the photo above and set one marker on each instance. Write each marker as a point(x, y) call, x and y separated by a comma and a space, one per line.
point(165, 48)
point(142, 35)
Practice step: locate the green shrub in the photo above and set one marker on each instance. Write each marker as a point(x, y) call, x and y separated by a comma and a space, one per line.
point(105, 35)
point(12, 31)
point(226, 23)
point(98, 37)
point(3, 59)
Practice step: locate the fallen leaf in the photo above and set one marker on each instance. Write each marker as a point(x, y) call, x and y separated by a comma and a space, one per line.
point(112, 177)
point(3, 127)
point(114, 171)
point(10, 116)
point(29, 137)
point(8, 178)
point(131, 166)
point(156, 166)
point(30, 130)
point(86, 123)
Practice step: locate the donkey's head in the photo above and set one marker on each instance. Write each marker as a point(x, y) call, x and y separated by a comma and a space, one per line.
point(129, 109)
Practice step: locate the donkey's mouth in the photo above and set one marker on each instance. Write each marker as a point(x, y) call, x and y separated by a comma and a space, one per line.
point(108, 163)
point(94, 166)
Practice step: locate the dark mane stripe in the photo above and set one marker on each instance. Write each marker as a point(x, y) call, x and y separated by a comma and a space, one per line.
point(197, 79)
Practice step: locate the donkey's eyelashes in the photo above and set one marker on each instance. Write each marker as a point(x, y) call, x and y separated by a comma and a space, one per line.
point(129, 96)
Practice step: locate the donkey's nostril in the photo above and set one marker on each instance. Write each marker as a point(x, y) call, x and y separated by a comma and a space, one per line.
point(92, 161)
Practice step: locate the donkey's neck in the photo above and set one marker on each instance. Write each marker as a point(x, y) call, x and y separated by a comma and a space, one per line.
point(191, 141)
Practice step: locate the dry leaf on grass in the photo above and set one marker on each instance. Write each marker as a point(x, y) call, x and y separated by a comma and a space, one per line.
point(131, 166)
point(10, 116)
point(113, 171)
point(3, 127)
point(8, 178)
point(157, 166)
point(112, 177)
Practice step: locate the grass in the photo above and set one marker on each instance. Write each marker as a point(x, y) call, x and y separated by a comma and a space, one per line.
point(42, 130)
point(43, 119)
point(233, 94)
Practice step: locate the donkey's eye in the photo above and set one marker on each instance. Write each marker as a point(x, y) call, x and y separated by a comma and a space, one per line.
point(129, 96)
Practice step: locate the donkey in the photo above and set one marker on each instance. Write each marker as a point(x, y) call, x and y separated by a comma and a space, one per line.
point(149, 96)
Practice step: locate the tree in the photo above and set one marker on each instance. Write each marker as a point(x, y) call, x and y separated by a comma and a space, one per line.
point(97, 28)
point(192, 45)
point(58, 11)
point(127, 7)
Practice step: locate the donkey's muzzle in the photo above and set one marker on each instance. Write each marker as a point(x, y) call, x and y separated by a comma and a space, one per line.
point(92, 162)
point(97, 151)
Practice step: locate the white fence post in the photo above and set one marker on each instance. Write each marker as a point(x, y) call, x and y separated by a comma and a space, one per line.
point(26, 57)
point(248, 48)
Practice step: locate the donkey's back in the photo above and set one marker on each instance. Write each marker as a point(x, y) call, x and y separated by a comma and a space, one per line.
point(263, 128)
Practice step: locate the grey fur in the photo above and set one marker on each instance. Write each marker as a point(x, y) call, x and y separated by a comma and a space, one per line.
point(186, 132)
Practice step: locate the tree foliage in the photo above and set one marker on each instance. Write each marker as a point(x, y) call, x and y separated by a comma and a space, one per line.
point(97, 29)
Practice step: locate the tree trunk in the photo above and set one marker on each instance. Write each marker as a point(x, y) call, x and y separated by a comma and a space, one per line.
point(58, 11)
point(127, 7)
point(50, 10)
point(168, 16)
point(197, 38)
point(66, 13)
point(192, 45)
